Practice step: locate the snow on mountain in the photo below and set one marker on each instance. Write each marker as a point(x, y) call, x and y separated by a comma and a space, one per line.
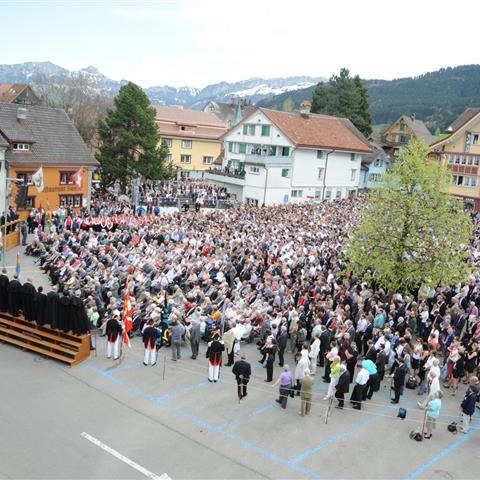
point(265, 89)
point(253, 89)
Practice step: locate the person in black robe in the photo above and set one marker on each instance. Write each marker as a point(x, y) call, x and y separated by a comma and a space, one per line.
point(64, 315)
point(80, 322)
point(14, 296)
point(4, 282)
point(28, 293)
point(39, 306)
point(51, 308)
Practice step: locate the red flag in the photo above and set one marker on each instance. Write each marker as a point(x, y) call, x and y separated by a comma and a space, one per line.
point(127, 315)
point(77, 178)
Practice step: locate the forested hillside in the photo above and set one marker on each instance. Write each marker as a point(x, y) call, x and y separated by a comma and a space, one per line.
point(435, 97)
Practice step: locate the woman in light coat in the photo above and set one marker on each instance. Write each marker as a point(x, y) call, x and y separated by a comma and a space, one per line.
point(313, 355)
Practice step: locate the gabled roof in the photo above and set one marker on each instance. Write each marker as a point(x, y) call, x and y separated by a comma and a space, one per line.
point(458, 125)
point(55, 140)
point(10, 91)
point(418, 128)
point(186, 116)
point(226, 111)
point(462, 119)
point(318, 131)
point(371, 157)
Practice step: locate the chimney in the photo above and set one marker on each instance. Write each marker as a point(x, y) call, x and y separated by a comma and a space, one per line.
point(412, 116)
point(305, 106)
point(21, 115)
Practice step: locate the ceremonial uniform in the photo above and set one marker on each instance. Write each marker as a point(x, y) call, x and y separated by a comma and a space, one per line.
point(114, 335)
point(214, 355)
point(149, 339)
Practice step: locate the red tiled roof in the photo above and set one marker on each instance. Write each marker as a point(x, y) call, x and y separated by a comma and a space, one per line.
point(318, 131)
point(186, 116)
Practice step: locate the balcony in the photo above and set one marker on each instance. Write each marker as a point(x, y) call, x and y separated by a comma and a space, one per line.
point(225, 176)
point(269, 160)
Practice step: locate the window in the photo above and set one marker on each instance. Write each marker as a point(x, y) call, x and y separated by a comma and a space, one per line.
point(252, 202)
point(451, 159)
point(404, 138)
point(66, 178)
point(338, 194)
point(25, 147)
point(168, 158)
point(248, 129)
point(402, 127)
point(321, 174)
point(285, 151)
point(318, 194)
point(185, 159)
point(285, 172)
point(464, 161)
point(242, 148)
point(186, 144)
point(328, 194)
point(297, 194)
point(185, 175)
point(26, 177)
point(230, 146)
point(374, 177)
point(475, 139)
point(167, 142)
point(469, 161)
point(378, 162)
point(72, 201)
point(233, 147)
point(255, 170)
point(475, 161)
point(352, 157)
point(207, 160)
point(319, 153)
point(457, 160)
point(464, 181)
point(353, 175)
point(30, 202)
point(266, 131)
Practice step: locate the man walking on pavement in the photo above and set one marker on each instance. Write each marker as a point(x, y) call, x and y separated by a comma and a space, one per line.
point(176, 334)
point(242, 371)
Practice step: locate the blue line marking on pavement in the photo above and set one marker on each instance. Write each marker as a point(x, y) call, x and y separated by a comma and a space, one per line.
point(261, 410)
point(125, 367)
point(439, 456)
point(173, 409)
point(337, 437)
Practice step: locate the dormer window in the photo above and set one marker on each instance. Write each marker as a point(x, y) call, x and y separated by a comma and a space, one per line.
point(21, 147)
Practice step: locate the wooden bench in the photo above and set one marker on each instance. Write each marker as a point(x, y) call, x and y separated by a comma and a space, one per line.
point(66, 347)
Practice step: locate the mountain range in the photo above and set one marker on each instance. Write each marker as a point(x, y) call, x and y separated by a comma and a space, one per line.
point(437, 97)
point(253, 89)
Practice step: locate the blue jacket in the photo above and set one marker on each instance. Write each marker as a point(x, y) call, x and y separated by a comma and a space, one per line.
point(468, 404)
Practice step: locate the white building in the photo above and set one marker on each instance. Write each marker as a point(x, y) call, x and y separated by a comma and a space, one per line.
point(276, 157)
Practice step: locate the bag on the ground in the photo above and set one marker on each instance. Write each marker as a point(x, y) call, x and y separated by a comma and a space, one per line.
point(452, 427)
point(411, 383)
point(416, 435)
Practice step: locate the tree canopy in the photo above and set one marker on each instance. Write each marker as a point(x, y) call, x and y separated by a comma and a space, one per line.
point(344, 96)
point(411, 231)
point(129, 142)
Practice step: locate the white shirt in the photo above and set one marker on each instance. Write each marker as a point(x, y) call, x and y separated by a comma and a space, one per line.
point(362, 376)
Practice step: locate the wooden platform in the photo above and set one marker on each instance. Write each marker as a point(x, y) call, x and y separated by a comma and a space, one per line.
point(66, 347)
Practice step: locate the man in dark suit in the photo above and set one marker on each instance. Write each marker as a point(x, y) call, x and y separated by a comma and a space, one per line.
point(343, 386)
point(28, 294)
point(398, 379)
point(242, 371)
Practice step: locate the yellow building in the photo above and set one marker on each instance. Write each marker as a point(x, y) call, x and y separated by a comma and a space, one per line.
point(401, 132)
point(460, 150)
point(193, 139)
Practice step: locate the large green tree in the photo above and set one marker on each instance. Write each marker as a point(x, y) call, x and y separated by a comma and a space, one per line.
point(344, 96)
point(411, 231)
point(129, 142)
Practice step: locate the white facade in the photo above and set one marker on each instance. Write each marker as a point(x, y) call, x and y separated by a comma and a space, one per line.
point(277, 172)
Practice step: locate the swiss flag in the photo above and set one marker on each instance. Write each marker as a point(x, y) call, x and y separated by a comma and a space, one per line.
point(77, 178)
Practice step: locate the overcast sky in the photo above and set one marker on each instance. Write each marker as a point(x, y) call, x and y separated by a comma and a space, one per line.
point(195, 42)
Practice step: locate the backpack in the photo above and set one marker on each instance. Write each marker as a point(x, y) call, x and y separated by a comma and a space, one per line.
point(416, 435)
point(411, 383)
point(452, 427)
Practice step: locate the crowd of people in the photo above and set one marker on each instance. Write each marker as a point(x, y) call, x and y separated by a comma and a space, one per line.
point(276, 274)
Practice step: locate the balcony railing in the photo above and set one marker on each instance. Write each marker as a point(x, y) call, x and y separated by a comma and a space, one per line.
point(268, 159)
